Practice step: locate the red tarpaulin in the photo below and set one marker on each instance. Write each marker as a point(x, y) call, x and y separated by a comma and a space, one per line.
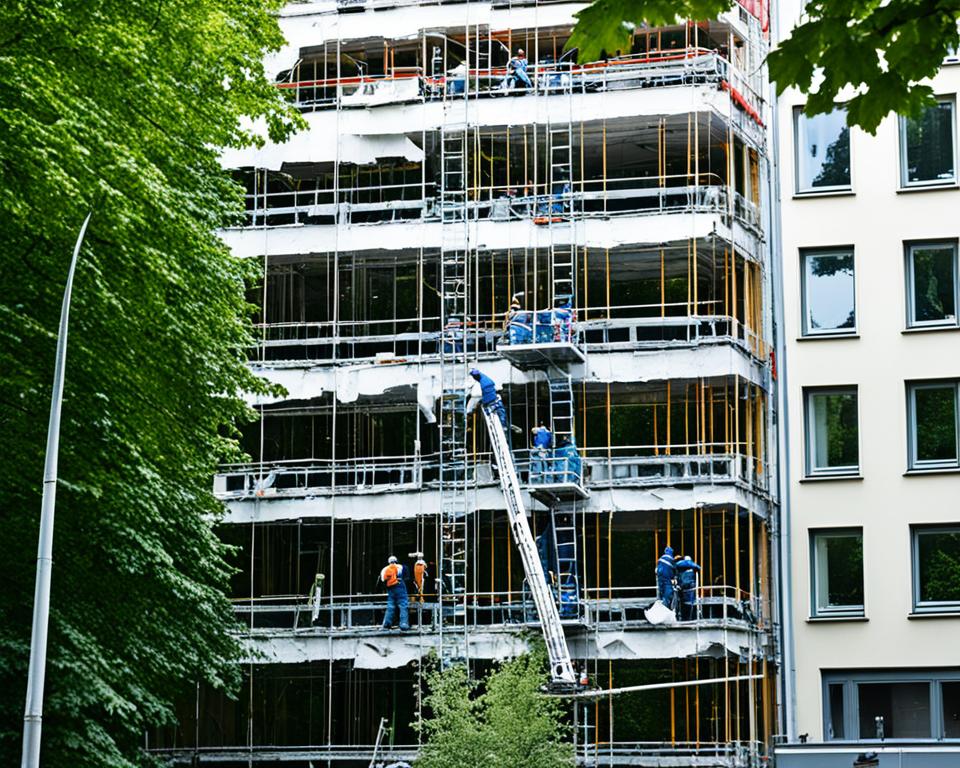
point(758, 8)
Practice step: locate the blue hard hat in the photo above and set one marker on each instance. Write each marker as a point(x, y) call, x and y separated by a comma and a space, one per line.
point(474, 372)
point(668, 550)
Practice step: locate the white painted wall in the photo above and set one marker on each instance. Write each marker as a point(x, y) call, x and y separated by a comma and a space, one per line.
point(876, 219)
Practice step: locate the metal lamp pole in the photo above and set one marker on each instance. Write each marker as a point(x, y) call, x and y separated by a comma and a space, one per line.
point(33, 714)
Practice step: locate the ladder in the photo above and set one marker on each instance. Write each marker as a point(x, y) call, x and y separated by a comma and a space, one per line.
point(561, 404)
point(561, 217)
point(454, 475)
point(564, 518)
point(562, 675)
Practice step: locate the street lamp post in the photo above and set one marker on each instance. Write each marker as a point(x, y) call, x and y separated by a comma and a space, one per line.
point(33, 714)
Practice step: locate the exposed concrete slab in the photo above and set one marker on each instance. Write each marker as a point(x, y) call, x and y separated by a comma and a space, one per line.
point(304, 240)
point(403, 381)
point(327, 129)
point(378, 649)
point(408, 505)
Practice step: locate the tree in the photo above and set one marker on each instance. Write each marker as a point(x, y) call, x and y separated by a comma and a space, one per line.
point(505, 722)
point(117, 106)
point(882, 50)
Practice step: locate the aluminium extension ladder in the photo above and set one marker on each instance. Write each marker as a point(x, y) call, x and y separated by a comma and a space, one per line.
point(562, 674)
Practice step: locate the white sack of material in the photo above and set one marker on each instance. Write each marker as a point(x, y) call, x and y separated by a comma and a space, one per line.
point(658, 613)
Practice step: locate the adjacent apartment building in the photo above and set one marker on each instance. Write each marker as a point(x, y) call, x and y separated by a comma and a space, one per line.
point(870, 226)
point(594, 237)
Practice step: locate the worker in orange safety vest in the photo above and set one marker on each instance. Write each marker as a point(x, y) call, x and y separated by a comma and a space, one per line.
point(419, 576)
point(392, 576)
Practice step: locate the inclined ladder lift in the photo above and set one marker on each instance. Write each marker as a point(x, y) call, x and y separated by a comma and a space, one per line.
point(562, 675)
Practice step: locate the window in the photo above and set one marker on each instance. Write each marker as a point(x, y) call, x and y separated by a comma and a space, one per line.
point(936, 569)
point(835, 728)
point(829, 305)
point(931, 284)
point(951, 709)
point(932, 424)
point(832, 441)
point(897, 704)
point(894, 710)
point(823, 151)
point(927, 151)
point(837, 559)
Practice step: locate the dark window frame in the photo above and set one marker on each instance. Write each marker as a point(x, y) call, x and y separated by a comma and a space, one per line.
point(913, 462)
point(810, 468)
point(826, 611)
point(805, 329)
point(909, 248)
point(905, 183)
point(928, 606)
point(798, 188)
point(850, 679)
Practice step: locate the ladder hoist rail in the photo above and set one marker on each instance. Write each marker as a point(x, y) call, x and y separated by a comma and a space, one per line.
point(562, 674)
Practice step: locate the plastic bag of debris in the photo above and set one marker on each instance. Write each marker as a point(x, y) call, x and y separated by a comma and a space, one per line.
point(658, 613)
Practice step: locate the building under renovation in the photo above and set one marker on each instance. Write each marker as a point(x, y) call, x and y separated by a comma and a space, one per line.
point(591, 235)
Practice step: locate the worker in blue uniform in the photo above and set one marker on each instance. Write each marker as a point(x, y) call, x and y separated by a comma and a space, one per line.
point(687, 571)
point(489, 398)
point(666, 570)
point(542, 443)
point(568, 464)
point(517, 76)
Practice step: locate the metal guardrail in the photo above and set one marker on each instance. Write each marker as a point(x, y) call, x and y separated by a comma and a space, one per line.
point(592, 198)
point(674, 67)
point(604, 608)
point(298, 477)
point(702, 754)
point(398, 341)
point(614, 467)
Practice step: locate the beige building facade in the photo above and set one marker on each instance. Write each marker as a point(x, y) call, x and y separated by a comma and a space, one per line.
point(872, 532)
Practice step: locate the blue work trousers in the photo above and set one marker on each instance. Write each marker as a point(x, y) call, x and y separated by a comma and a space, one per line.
point(397, 601)
point(497, 407)
point(665, 591)
point(688, 604)
point(538, 465)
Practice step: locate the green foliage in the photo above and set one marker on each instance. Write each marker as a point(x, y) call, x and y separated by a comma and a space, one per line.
point(452, 733)
point(116, 106)
point(505, 722)
point(608, 25)
point(883, 49)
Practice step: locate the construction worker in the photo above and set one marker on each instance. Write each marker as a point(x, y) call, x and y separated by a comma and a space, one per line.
point(517, 76)
point(563, 320)
point(516, 323)
point(542, 443)
point(568, 466)
point(392, 577)
point(512, 313)
point(419, 576)
point(687, 570)
point(489, 398)
point(666, 570)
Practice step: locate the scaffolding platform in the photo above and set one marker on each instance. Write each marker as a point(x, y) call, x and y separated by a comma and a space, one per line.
point(554, 493)
point(539, 355)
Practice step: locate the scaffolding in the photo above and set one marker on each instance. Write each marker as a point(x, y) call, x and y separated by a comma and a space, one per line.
point(633, 241)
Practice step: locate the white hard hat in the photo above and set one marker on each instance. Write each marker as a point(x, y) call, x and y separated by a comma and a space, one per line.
point(391, 559)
